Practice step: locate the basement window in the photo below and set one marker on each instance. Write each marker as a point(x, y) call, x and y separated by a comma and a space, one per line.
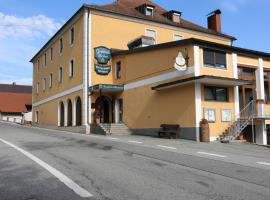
point(215, 59)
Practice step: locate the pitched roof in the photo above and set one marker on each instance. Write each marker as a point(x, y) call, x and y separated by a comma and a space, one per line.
point(14, 102)
point(25, 89)
point(128, 7)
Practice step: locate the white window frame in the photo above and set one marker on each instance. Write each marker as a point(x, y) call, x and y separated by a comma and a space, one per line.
point(44, 84)
point(38, 65)
point(115, 70)
point(37, 117)
point(70, 42)
point(45, 59)
point(61, 51)
point(148, 29)
point(50, 80)
point(60, 78)
point(37, 89)
point(177, 35)
point(71, 72)
point(51, 53)
point(150, 8)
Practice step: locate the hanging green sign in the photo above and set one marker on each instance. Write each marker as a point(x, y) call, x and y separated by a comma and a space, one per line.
point(103, 56)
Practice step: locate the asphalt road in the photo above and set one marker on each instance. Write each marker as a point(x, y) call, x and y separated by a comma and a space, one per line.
point(38, 164)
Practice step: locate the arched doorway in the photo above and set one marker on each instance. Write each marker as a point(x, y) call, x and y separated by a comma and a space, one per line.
point(61, 114)
point(103, 113)
point(69, 112)
point(78, 107)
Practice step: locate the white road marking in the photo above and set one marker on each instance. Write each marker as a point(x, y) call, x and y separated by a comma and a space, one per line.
point(112, 138)
point(136, 142)
point(63, 178)
point(167, 147)
point(263, 163)
point(212, 154)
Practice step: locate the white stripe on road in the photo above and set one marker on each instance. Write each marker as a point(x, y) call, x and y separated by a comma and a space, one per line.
point(211, 154)
point(263, 163)
point(112, 138)
point(167, 147)
point(63, 178)
point(136, 142)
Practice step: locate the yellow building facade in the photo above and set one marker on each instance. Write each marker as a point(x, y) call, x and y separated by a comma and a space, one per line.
point(108, 66)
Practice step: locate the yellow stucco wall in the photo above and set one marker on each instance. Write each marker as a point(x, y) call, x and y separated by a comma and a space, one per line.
point(147, 64)
point(266, 63)
point(145, 108)
point(69, 53)
point(247, 60)
point(116, 33)
point(218, 127)
point(204, 70)
point(48, 112)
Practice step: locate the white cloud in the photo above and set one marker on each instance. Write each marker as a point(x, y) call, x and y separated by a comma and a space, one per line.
point(20, 39)
point(12, 26)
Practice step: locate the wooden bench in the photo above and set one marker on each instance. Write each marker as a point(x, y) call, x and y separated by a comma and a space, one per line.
point(171, 131)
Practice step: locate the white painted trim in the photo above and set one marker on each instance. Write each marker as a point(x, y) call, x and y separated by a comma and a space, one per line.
point(197, 60)
point(58, 95)
point(260, 81)
point(236, 89)
point(149, 23)
point(248, 64)
point(116, 113)
point(177, 34)
point(198, 109)
point(158, 78)
point(85, 65)
point(89, 66)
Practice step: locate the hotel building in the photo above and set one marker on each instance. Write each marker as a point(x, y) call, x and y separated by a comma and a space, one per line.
point(130, 66)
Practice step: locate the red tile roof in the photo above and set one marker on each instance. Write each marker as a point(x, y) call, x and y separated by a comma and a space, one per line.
point(128, 7)
point(14, 102)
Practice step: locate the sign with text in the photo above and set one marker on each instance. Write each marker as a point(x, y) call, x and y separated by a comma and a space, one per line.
point(102, 56)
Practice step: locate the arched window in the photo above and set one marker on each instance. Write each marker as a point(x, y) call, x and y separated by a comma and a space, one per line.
point(78, 106)
point(69, 112)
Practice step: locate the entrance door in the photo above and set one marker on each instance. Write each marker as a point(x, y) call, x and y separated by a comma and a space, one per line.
point(246, 95)
point(103, 110)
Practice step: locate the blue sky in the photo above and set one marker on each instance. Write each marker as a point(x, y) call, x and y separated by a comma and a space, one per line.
point(25, 25)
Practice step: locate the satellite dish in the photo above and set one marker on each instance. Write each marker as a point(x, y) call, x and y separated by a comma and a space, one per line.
point(180, 62)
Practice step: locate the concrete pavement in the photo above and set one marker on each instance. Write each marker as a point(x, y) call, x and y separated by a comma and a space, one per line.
point(129, 167)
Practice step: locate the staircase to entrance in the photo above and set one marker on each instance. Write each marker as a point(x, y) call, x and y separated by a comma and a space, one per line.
point(114, 129)
point(242, 120)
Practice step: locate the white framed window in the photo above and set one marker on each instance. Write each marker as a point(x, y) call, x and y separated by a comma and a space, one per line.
point(36, 117)
point(37, 87)
point(44, 84)
point(149, 11)
point(151, 33)
point(51, 54)
point(71, 36)
point(61, 45)
point(60, 74)
point(45, 59)
point(50, 80)
point(71, 68)
point(177, 37)
point(118, 70)
point(176, 17)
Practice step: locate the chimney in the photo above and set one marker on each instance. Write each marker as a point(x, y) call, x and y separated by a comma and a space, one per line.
point(14, 83)
point(214, 20)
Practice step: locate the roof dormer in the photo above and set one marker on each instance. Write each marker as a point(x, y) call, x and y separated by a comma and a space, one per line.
point(174, 16)
point(146, 9)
